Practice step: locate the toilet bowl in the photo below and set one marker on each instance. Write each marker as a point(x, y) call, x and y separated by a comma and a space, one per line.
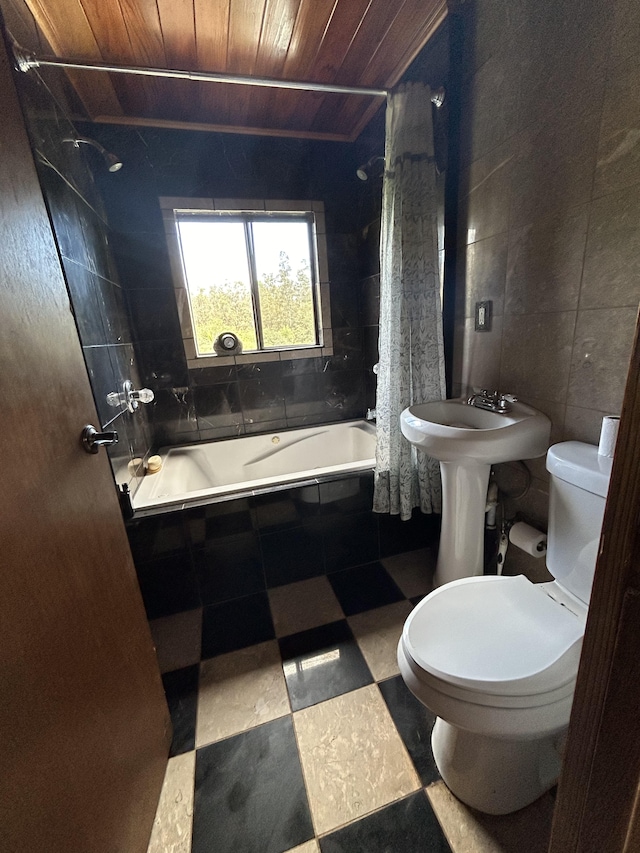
point(501, 687)
point(496, 657)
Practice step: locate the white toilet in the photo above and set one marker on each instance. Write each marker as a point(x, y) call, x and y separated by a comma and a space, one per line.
point(496, 658)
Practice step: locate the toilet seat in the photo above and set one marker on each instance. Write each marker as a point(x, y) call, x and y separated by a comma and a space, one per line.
point(489, 640)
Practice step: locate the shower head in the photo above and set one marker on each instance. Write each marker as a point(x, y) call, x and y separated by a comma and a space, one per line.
point(438, 96)
point(363, 171)
point(114, 163)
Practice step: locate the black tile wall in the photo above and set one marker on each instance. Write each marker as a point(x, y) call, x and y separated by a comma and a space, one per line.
point(287, 508)
point(259, 397)
point(229, 567)
point(217, 405)
point(68, 179)
point(294, 554)
point(302, 366)
point(141, 257)
point(370, 300)
point(350, 539)
point(262, 399)
point(154, 319)
point(347, 496)
point(169, 365)
point(217, 554)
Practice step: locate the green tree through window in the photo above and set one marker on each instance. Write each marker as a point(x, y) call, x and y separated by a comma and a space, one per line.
point(251, 276)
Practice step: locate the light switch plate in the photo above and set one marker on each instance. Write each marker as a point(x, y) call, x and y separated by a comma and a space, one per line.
point(483, 314)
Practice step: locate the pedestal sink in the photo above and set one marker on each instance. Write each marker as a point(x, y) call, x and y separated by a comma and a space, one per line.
point(467, 441)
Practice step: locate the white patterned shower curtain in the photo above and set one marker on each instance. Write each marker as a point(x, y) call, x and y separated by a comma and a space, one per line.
point(411, 368)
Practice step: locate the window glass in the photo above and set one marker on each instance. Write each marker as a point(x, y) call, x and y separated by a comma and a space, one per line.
point(218, 281)
point(251, 275)
point(285, 285)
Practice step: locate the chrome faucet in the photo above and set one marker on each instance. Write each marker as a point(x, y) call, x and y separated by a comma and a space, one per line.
point(492, 401)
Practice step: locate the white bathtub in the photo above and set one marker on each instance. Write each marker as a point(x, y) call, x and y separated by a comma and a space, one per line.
point(212, 470)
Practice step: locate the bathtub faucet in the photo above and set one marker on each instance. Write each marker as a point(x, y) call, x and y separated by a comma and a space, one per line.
point(492, 401)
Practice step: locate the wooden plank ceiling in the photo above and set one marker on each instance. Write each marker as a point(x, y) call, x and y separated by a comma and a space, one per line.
point(364, 43)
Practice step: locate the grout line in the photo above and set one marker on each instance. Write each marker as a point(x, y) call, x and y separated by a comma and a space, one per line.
point(447, 836)
point(304, 774)
point(374, 811)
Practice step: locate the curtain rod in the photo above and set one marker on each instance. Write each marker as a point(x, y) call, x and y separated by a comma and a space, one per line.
point(26, 61)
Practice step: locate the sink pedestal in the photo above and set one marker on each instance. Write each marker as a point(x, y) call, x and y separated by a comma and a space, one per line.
point(464, 498)
point(467, 440)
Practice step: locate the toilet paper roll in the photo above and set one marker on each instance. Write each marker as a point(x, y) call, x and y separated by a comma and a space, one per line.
point(531, 541)
point(608, 435)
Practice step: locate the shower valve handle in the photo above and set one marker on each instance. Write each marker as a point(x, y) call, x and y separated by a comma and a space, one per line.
point(92, 440)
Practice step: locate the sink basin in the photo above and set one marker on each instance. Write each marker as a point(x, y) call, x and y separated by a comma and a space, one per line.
point(468, 441)
point(450, 431)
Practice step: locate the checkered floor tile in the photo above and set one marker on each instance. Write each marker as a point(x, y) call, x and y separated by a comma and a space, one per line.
point(295, 733)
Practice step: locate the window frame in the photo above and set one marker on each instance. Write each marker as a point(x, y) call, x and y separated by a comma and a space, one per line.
point(173, 209)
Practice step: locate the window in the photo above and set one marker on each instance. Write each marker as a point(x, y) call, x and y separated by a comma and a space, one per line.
point(254, 273)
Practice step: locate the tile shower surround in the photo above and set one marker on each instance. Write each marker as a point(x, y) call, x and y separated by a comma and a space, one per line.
point(242, 399)
point(225, 556)
point(95, 289)
point(256, 396)
point(118, 272)
point(253, 396)
point(115, 260)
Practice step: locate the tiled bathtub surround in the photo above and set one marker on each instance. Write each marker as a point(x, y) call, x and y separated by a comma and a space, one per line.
point(311, 741)
point(264, 396)
point(254, 394)
point(229, 557)
point(549, 210)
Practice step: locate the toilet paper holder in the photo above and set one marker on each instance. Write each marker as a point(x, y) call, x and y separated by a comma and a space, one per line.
point(529, 539)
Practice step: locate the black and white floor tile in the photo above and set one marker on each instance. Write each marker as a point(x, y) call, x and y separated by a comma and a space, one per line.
point(294, 732)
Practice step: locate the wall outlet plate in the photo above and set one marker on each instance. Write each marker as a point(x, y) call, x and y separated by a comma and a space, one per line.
point(483, 314)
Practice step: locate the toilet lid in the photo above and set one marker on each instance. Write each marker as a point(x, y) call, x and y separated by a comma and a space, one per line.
point(492, 634)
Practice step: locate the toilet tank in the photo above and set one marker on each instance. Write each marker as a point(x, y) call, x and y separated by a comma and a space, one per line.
point(579, 485)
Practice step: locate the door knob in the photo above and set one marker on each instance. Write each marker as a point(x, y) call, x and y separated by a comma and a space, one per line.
point(92, 440)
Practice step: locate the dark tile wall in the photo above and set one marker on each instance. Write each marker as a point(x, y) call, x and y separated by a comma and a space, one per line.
point(549, 210)
point(84, 242)
point(210, 402)
point(229, 554)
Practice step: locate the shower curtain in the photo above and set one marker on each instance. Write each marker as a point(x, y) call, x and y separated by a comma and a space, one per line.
point(411, 367)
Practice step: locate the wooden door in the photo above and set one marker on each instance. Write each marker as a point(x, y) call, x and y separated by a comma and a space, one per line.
point(83, 721)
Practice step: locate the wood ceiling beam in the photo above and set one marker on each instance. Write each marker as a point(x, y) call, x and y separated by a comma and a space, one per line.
point(139, 121)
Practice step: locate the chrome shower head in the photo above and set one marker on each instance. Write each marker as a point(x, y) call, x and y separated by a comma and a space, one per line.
point(363, 171)
point(114, 164)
